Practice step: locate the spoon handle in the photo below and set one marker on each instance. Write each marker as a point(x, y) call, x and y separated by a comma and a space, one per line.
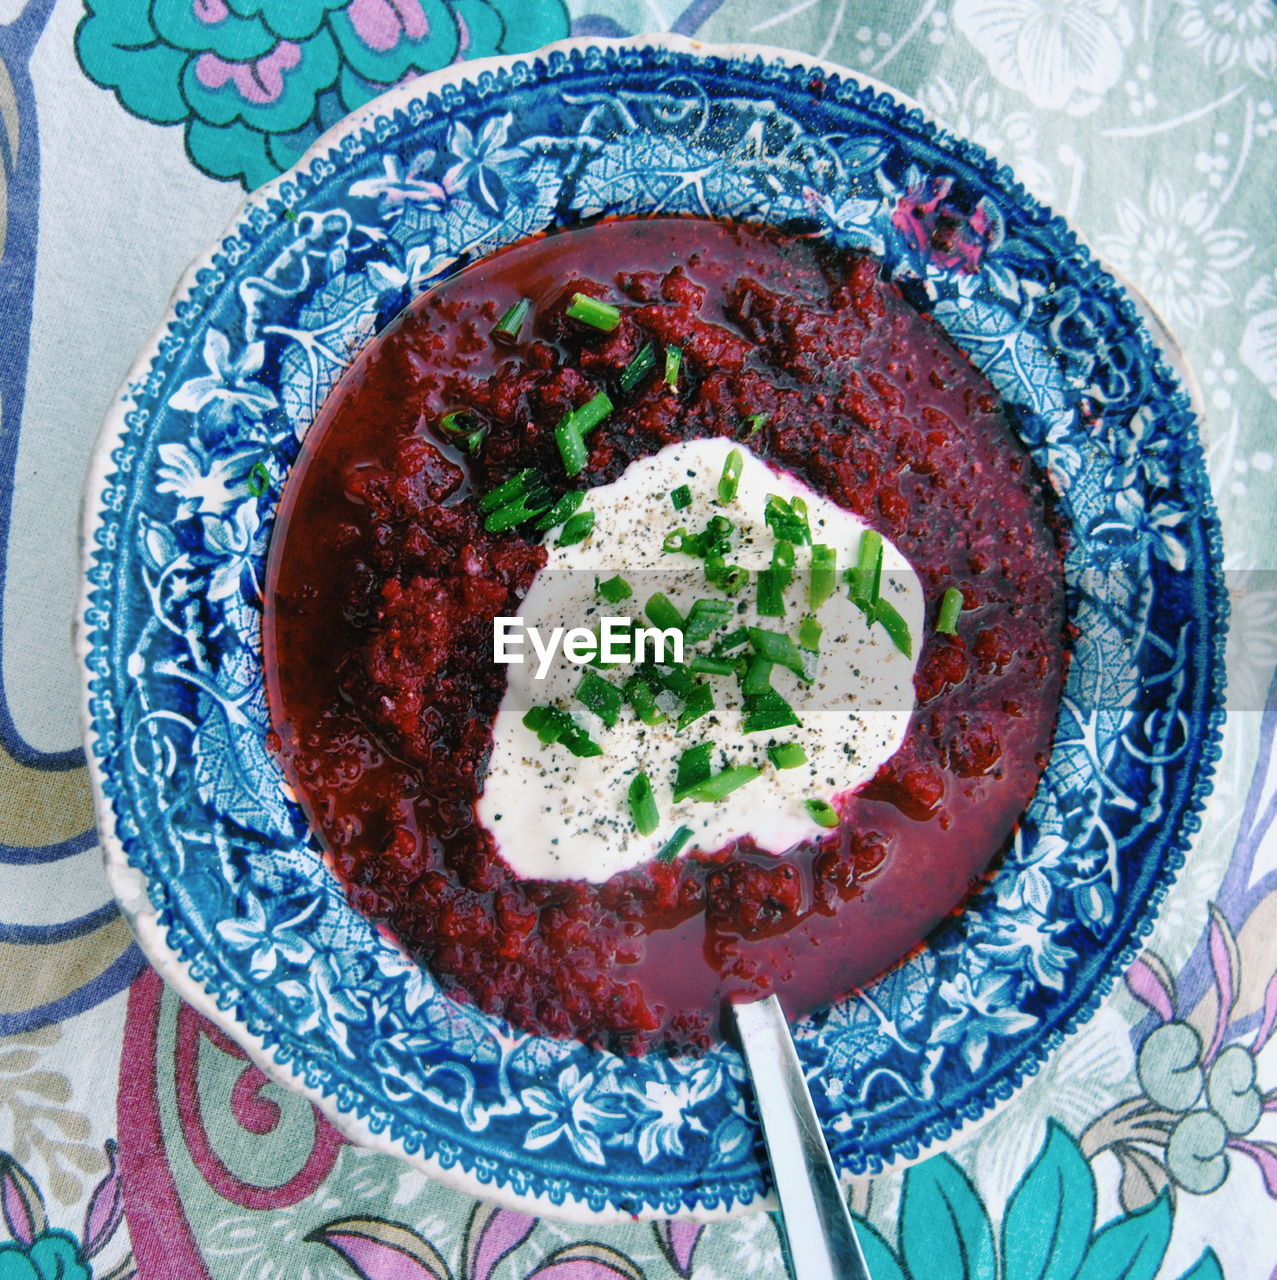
point(822, 1241)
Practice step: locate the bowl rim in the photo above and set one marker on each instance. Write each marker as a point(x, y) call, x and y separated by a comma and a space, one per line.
point(129, 884)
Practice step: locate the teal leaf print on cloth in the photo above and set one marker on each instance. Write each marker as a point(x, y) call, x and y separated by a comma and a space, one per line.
point(944, 1229)
point(1131, 1247)
point(255, 82)
point(1040, 1240)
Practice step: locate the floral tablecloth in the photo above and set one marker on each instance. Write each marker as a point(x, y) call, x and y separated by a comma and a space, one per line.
point(134, 1137)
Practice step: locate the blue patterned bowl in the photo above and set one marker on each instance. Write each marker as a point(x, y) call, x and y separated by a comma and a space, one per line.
point(210, 856)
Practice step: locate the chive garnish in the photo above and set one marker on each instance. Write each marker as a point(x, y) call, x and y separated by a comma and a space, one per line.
point(721, 785)
point(528, 504)
point(766, 712)
point(674, 845)
point(638, 693)
point(577, 529)
point(950, 608)
point(786, 755)
point(787, 520)
point(809, 632)
point(644, 361)
point(662, 613)
point(673, 362)
point(757, 679)
point(773, 581)
point(824, 575)
point(693, 768)
point(699, 702)
point(681, 497)
point(614, 590)
point(558, 513)
point(709, 666)
point(571, 447)
point(822, 811)
point(258, 479)
point(753, 425)
point(864, 578)
point(551, 724)
point(783, 563)
point(517, 484)
point(511, 322)
point(704, 618)
point(676, 541)
point(777, 647)
point(598, 315)
point(600, 696)
point(643, 805)
point(572, 428)
point(894, 625)
point(732, 640)
point(459, 423)
point(729, 481)
point(728, 578)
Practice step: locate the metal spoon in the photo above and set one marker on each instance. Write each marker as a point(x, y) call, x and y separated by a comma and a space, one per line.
point(821, 1240)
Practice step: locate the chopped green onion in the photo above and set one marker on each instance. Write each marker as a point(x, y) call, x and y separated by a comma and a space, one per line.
point(824, 575)
point(699, 702)
point(258, 479)
point(558, 513)
point(517, 484)
point(634, 372)
point(786, 755)
point(950, 608)
point(865, 577)
point(757, 679)
point(598, 315)
point(768, 711)
point(677, 540)
point(822, 811)
point(675, 677)
point(600, 696)
point(732, 640)
point(577, 529)
point(779, 648)
point(662, 613)
point(459, 423)
point(787, 520)
point(571, 447)
point(723, 784)
point(643, 805)
point(783, 563)
point(512, 321)
point(704, 618)
point(894, 625)
point(731, 579)
point(638, 693)
point(551, 725)
point(809, 633)
point(614, 590)
point(592, 412)
point(693, 768)
point(753, 425)
point(729, 481)
point(523, 508)
point(681, 497)
point(572, 428)
point(673, 362)
point(773, 581)
point(706, 665)
point(674, 845)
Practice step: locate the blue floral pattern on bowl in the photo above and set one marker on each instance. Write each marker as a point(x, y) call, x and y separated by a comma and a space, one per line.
point(242, 909)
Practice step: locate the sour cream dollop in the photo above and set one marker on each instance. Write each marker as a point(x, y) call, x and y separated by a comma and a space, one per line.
point(557, 816)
